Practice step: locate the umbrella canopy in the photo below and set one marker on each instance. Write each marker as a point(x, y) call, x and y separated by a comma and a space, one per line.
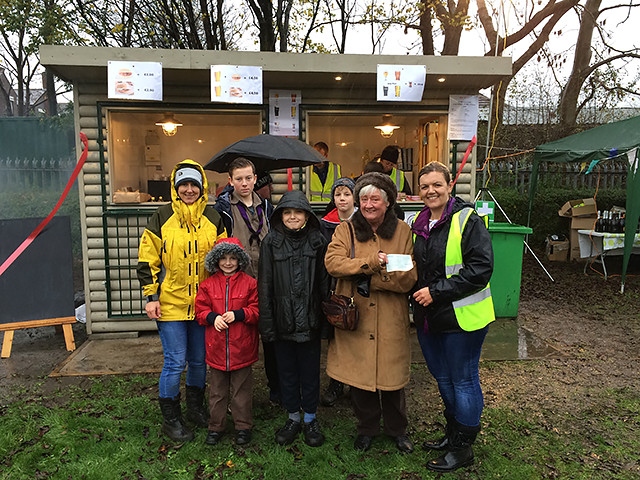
point(267, 152)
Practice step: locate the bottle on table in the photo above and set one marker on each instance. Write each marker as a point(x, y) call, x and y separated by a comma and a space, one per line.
point(598, 226)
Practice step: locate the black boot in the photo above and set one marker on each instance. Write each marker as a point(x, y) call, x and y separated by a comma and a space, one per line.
point(196, 413)
point(459, 453)
point(173, 426)
point(334, 391)
point(443, 442)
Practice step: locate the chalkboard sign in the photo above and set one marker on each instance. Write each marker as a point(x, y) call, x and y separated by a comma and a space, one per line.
point(39, 283)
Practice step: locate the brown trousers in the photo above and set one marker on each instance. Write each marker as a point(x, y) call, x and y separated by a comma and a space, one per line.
point(234, 389)
point(369, 407)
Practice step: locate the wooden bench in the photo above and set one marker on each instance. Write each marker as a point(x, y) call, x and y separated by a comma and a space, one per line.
point(10, 328)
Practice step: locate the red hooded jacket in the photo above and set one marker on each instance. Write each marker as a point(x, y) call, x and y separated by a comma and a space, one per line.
point(237, 346)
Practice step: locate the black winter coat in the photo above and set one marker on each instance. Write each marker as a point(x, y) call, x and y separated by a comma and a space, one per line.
point(429, 255)
point(293, 278)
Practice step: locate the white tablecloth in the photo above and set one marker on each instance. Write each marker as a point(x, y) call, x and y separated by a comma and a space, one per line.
point(593, 243)
point(599, 245)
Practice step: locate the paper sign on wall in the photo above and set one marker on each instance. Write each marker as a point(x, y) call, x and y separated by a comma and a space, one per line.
point(134, 80)
point(400, 83)
point(284, 112)
point(236, 84)
point(463, 117)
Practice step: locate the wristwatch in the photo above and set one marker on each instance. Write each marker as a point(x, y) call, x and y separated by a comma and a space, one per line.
point(153, 298)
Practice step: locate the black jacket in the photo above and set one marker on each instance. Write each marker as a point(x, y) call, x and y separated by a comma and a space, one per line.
point(293, 278)
point(429, 254)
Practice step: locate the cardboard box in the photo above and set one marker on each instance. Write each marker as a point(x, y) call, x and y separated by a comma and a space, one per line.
point(574, 252)
point(558, 250)
point(584, 223)
point(581, 207)
point(131, 197)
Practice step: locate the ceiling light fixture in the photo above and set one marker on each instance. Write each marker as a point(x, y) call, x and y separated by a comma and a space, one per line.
point(442, 79)
point(169, 125)
point(387, 128)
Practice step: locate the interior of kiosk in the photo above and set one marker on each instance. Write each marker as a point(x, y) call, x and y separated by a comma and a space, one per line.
point(142, 156)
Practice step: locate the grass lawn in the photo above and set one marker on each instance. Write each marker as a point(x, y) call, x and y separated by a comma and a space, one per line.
point(110, 430)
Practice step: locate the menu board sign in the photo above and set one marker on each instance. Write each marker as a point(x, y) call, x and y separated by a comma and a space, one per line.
point(236, 84)
point(400, 83)
point(284, 112)
point(134, 80)
point(463, 117)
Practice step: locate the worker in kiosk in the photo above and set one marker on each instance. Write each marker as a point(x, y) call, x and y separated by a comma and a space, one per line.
point(323, 175)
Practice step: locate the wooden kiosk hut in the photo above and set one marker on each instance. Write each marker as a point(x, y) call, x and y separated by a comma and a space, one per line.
point(129, 154)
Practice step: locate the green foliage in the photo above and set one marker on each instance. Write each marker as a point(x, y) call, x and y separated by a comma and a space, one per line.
point(544, 214)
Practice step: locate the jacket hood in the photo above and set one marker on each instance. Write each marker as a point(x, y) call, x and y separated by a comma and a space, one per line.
point(192, 164)
point(224, 246)
point(189, 213)
point(294, 199)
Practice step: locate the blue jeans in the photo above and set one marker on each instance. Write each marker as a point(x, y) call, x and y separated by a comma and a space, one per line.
point(182, 346)
point(453, 359)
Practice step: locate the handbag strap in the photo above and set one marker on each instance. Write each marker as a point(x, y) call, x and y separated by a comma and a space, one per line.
point(353, 253)
point(353, 241)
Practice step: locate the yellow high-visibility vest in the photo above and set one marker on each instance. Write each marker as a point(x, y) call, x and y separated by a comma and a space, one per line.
point(398, 178)
point(474, 311)
point(319, 192)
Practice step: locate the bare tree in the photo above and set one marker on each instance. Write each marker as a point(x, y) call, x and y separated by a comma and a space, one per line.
point(197, 25)
point(24, 27)
point(263, 14)
point(593, 66)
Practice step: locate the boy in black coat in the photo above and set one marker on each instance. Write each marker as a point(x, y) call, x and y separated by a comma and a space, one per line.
point(293, 283)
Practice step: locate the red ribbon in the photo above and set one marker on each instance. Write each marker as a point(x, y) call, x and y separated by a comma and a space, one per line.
point(466, 157)
point(32, 236)
point(289, 179)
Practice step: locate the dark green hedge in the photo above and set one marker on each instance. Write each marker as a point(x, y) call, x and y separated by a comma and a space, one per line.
point(544, 215)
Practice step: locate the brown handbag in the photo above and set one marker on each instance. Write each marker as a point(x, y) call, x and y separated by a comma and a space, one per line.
point(340, 310)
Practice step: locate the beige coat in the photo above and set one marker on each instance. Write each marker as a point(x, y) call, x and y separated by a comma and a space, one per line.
point(377, 355)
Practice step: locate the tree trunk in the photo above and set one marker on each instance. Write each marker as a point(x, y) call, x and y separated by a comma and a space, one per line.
point(263, 12)
point(52, 100)
point(426, 31)
point(568, 107)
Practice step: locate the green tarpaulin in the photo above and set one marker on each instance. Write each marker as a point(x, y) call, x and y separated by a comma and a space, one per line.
point(616, 140)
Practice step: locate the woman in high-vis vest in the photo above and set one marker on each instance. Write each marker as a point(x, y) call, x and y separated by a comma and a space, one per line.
point(452, 309)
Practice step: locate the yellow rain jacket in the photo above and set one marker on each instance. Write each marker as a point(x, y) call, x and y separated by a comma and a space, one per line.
point(173, 248)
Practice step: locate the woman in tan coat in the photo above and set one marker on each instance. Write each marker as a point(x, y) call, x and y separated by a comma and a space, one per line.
point(374, 359)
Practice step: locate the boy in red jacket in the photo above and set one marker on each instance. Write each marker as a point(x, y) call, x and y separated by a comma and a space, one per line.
point(227, 305)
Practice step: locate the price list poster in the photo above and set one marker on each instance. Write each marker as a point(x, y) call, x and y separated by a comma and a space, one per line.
point(134, 80)
point(284, 112)
point(463, 117)
point(236, 84)
point(400, 83)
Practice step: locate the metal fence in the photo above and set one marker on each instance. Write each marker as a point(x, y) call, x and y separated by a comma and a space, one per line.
point(38, 173)
point(516, 174)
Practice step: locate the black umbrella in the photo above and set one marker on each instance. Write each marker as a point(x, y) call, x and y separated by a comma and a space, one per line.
point(267, 152)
